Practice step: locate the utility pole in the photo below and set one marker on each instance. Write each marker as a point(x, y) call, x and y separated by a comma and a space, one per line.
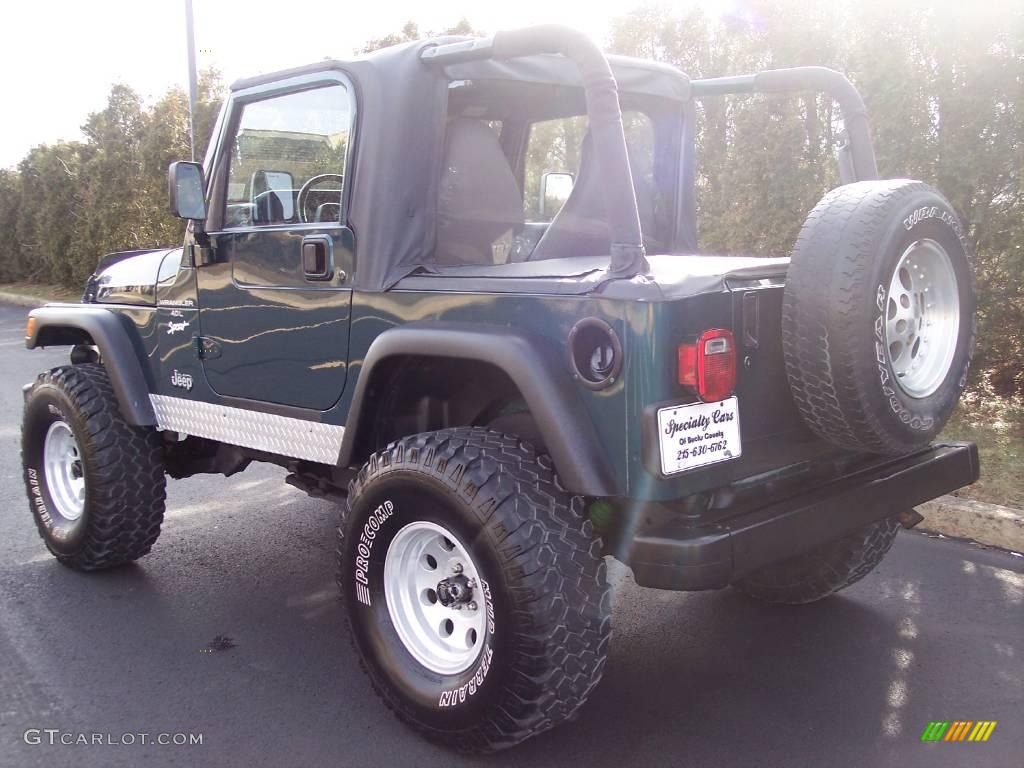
point(192, 87)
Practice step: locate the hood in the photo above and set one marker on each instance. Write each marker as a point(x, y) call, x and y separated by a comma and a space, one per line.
point(129, 277)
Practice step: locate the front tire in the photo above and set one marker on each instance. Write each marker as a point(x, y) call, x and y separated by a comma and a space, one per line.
point(480, 511)
point(95, 483)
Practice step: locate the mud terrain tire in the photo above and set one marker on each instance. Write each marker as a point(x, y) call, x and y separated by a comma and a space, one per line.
point(537, 574)
point(823, 571)
point(113, 492)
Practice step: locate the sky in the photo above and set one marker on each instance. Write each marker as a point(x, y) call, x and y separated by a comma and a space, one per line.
point(62, 57)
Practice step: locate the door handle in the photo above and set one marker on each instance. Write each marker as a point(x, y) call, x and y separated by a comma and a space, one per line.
point(318, 257)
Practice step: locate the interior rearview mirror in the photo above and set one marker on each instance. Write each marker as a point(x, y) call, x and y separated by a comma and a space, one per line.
point(185, 185)
point(554, 191)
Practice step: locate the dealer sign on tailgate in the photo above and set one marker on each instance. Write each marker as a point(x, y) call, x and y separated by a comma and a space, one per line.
point(692, 436)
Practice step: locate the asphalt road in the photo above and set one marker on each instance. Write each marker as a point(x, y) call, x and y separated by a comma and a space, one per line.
point(936, 633)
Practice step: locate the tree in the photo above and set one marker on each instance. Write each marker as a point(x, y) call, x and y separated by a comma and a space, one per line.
point(411, 31)
point(944, 90)
point(70, 203)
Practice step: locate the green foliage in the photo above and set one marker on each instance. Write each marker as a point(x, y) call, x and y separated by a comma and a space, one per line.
point(411, 31)
point(68, 204)
point(944, 86)
point(553, 146)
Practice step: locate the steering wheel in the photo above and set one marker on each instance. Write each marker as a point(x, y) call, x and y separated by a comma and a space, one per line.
point(300, 199)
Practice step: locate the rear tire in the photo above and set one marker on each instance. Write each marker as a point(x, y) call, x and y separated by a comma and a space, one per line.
point(878, 316)
point(823, 571)
point(95, 483)
point(483, 507)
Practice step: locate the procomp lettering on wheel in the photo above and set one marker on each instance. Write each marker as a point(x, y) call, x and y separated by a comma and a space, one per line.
point(364, 548)
point(878, 316)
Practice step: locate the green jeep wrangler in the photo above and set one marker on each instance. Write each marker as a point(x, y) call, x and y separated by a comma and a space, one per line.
point(456, 285)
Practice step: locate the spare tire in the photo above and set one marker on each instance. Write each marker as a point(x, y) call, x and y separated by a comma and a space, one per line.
point(878, 316)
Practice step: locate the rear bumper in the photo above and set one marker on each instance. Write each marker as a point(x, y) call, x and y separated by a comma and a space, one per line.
point(678, 555)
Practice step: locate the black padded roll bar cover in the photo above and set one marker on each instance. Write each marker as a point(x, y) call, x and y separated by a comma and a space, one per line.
point(838, 86)
point(602, 96)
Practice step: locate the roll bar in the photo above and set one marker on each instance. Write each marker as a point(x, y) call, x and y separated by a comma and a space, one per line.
point(856, 155)
point(603, 112)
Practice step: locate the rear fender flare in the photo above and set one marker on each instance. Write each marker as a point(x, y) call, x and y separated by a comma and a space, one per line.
point(533, 365)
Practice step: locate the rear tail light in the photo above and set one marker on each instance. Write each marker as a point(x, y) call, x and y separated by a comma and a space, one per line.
point(708, 367)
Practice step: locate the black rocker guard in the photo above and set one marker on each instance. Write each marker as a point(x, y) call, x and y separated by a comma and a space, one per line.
point(679, 555)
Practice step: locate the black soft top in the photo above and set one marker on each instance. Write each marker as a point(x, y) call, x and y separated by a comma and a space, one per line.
point(402, 107)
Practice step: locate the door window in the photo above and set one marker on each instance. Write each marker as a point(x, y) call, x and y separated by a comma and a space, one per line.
point(287, 160)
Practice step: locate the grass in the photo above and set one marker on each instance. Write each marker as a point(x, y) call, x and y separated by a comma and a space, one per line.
point(43, 291)
point(997, 426)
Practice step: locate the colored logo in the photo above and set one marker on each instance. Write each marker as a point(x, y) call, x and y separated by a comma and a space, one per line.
point(958, 730)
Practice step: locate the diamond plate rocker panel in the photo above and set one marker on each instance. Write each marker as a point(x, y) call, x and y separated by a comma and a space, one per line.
point(268, 432)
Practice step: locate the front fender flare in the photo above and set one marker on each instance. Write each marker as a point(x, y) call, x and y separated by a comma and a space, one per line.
point(105, 329)
point(532, 364)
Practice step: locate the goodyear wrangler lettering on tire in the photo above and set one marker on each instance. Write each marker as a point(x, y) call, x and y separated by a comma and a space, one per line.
point(944, 215)
point(365, 548)
point(905, 416)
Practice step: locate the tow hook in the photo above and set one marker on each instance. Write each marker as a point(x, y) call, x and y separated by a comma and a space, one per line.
point(908, 518)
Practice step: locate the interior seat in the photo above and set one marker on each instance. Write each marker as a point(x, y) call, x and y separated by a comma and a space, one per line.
point(268, 208)
point(480, 207)
point(580, 228)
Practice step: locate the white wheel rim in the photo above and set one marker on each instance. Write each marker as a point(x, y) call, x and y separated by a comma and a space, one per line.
point(444, 639)
point(65, 473)
point(922, 318)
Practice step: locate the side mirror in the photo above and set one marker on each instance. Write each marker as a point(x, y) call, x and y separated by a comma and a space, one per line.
point(554, 191)
point(185, 186)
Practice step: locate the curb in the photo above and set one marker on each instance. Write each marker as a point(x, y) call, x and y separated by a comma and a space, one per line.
point(24, 299)
point(989, 524)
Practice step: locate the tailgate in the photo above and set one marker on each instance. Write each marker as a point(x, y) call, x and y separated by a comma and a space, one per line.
point(774, 440)
point(774, 434)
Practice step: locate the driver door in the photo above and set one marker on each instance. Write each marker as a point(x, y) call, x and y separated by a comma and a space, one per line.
point(275, 301)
